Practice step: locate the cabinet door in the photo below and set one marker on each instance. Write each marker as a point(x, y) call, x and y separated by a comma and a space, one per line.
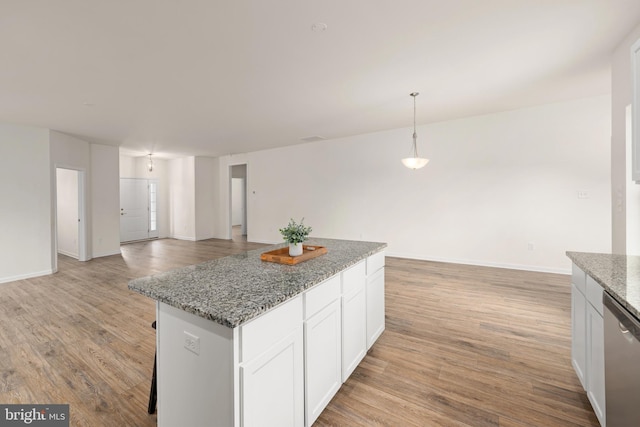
point(354, 330)
point(375, 306)
point(579, 333)
point(272, 389)
point(595, 362)
point(323, 360)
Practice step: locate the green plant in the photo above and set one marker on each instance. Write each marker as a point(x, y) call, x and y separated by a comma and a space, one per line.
point(295, 233)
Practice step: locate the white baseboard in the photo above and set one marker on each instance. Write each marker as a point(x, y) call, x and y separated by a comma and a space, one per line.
point(25, 276)
point(266, 242)
point(204, 238)
point(539, 269)
point(108, 253)
point(189, 238)
point(69, 254)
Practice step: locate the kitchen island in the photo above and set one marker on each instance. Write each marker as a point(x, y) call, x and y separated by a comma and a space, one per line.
point(243, 342)
point(592, 275)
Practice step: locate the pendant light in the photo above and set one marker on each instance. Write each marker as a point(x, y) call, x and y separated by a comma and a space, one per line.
point(415, 161)
point(150, 164)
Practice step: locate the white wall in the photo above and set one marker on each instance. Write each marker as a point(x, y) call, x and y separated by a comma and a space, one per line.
point(69, 151)
point(205, 175)
point(73, 153)
point(101, 189)
point(182, 222)
point(28, 159)
point(25, 206)
point(497, 185)
point(67, 211)
point(105, 200)
point(625, 193)
point(632, 203)
point(193, 193)
point(127, 167)
point(136, 167)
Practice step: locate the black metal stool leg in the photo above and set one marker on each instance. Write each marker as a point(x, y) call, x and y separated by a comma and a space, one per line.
point(153, 395)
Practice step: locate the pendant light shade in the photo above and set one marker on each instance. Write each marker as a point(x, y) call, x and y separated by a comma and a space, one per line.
point(415, 161)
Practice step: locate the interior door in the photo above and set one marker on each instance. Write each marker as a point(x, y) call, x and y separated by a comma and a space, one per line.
point(68, 212)
point(134, 209)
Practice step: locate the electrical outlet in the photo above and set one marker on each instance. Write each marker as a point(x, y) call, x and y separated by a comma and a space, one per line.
point(192, 343)
point(531, 246)
point(583, 194)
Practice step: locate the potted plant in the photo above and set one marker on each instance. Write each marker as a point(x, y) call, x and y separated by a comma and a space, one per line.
point(295, 234)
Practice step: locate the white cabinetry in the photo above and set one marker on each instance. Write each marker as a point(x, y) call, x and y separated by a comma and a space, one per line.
point(279, 369)
point(272, 385)
point(375, 297)
point(595, 349)
point(587, 338)
point(271, 372)
point(635, 110)
point(579, 324)
point(322, 344)
point(354, 318)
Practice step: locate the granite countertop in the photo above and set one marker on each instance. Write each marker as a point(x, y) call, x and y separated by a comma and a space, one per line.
point(237, 288)
point(618, 274)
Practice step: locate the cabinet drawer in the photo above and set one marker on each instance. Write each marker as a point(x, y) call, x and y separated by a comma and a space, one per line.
point(594, 294)
point(578, 278)
point(375, 262)
point(261, 333)
point(321, 295)
point(354, 278)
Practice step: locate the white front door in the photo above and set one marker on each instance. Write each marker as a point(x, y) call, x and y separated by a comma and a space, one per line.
point(134, 209)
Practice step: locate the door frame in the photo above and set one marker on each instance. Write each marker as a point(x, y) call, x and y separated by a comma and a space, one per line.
point(230, 199)
point(83, 252)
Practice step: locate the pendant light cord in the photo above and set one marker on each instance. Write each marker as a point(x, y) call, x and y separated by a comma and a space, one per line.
point(415, 135)
point(414, 161)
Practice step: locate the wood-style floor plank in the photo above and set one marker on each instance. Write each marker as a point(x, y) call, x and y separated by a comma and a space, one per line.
point(471, 346)
point(464, 345)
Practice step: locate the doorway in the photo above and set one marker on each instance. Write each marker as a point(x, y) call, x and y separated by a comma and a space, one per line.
point(70, 214)
point(238, 202)
point(138, 209)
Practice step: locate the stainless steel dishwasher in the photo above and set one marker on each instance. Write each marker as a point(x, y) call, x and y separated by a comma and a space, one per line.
point(621, 364)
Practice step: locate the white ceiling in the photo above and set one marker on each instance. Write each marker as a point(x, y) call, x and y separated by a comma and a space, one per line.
point(214, 77)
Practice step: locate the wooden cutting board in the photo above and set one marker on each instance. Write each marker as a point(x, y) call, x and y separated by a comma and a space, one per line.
point(281, 256)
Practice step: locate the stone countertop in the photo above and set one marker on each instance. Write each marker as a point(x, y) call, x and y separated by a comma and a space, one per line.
point(235, 289)
point(618, 274)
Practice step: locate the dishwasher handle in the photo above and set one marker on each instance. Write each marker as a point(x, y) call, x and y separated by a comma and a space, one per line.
point(626, 322)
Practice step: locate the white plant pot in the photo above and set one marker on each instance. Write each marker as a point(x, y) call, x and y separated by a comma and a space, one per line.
point(295, 249)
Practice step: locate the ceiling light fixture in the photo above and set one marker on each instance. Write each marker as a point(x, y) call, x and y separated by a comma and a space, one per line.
point(415, 161)
point(150, 164)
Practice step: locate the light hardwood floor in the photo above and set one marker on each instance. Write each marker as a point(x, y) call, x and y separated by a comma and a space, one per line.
point(464, 346)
